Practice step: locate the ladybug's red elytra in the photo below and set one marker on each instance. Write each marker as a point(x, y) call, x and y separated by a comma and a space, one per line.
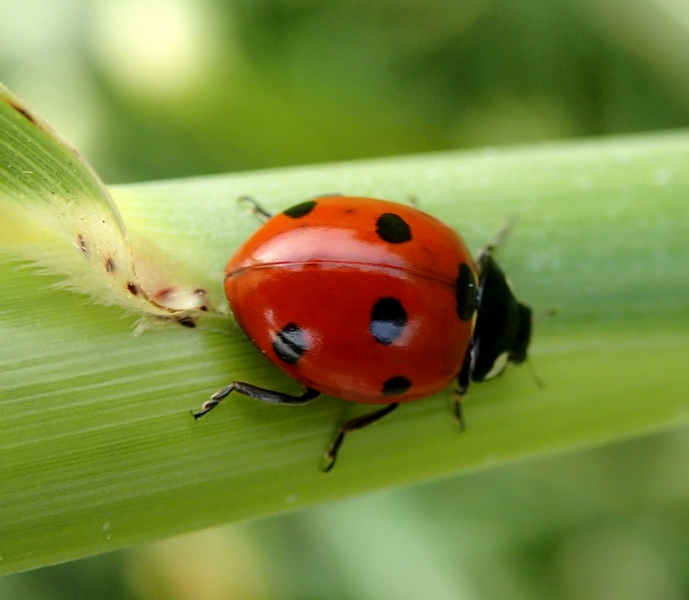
point(373, 302)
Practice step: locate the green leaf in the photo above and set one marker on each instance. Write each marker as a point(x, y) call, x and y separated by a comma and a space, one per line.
point(50, 194)
point(97, 446)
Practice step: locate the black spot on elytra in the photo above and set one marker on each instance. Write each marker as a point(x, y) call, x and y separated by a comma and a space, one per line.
point(467, 293)
point(290, 343)
point(388, 319)
point(393, 228)
point(396, 386)
point(132, 288)
point(300, 210)
point(110, 265)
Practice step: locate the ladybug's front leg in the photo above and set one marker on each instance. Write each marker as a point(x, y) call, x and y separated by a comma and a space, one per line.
point(497, 242)
point(259, 393)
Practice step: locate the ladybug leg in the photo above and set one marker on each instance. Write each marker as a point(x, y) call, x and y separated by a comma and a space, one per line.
point(255, 208)
point(457, 413)
point(352, 425)
point(269, 396)
point(328, 195)
point(494, 245)
point(460, 391)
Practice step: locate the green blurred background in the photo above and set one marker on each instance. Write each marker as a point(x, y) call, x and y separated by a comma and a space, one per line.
point(151, 89)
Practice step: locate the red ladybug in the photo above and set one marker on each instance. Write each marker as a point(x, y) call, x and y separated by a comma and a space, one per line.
point(373, 302)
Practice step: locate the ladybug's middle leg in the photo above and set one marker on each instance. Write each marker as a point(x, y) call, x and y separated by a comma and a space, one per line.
point(259, 393)
point(352, 425)
point(461, 390)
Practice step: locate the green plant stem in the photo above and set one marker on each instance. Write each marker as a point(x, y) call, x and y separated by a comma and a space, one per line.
point(97, 446)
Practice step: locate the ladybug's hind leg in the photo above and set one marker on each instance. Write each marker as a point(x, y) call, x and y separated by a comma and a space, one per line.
point(352, 425)
point(259, 393)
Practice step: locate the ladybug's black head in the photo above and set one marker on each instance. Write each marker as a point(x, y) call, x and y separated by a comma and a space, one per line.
point(521, 342)
point(503, 325)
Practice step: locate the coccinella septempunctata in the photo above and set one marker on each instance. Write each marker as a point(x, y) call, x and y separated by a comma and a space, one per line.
point(371, 301)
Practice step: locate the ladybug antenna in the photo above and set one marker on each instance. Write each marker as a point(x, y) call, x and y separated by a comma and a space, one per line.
point(546, 314)
point(539, 382)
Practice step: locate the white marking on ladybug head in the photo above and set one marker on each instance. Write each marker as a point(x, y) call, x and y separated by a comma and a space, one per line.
point(498, 366)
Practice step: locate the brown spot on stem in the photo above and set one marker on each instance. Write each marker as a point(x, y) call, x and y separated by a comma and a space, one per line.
point(81, 243)
point(24, 113)
point(163, 294)
point(186, 322)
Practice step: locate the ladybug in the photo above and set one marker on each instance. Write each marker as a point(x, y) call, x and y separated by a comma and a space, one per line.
point(373, 302)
